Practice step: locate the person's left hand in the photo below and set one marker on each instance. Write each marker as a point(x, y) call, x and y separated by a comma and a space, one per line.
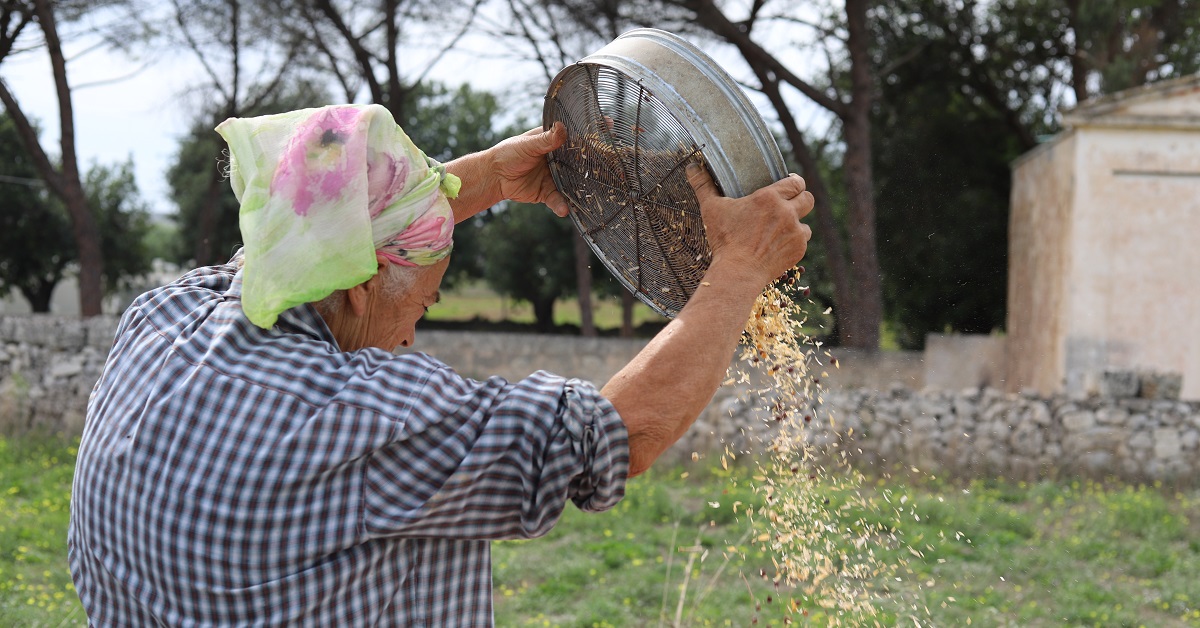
point(521, 171)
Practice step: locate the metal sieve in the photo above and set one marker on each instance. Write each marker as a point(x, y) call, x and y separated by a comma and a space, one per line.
point(636, 112)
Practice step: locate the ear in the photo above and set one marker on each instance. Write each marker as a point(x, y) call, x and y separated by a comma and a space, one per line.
point(360, 296)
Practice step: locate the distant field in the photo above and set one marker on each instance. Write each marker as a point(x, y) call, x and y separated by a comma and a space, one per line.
point(477, 302)
point(1013, 554)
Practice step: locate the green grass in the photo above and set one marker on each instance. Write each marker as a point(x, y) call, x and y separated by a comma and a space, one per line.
point(996, 553)
point(35, 496)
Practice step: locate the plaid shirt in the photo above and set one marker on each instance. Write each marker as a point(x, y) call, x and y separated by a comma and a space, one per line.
point(230, 475)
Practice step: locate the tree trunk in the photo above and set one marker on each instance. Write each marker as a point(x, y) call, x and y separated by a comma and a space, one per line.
point(366, 66)
point(824, 224)
point(83, 224)
point(543, 315)
point(206, 222)
point(861, 325)
point(583, 284)
point(395, 89)
point(1079, 69)
point(858, 292)
point(627, 303)
point(87, 240)
point(39, 296)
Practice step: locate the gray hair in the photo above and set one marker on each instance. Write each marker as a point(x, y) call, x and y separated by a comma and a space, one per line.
point(397, 280)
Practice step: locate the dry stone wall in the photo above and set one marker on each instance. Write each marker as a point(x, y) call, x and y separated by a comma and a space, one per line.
point(48, 366)
point(1134, 427)
point(981, 432)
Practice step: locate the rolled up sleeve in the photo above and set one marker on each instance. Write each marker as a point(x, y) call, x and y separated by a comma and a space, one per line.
point(494, 459)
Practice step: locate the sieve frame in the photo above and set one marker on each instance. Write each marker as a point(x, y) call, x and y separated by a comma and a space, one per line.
point(734, 141)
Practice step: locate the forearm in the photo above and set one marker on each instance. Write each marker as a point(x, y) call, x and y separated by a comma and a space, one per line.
point(479, 189)
point(514, 169)
point(666, 386)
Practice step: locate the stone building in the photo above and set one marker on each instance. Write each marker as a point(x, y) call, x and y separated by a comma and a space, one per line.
point(1104, 264)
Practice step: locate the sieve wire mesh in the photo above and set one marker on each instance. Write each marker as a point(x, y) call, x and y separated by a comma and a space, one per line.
point(622, 170)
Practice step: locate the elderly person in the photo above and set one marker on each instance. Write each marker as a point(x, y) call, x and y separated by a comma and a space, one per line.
point(256, 454)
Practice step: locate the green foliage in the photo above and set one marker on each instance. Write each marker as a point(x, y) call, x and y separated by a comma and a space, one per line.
point(943, 186)
point(1126, 43)
point(467, 261)
point(447, 123)
point(817, 275)
point(190, 176)
point(964, 90)
point(162, 237)
point(530, 257)
point(35, 231)
point(942, 147)
point(123, 220)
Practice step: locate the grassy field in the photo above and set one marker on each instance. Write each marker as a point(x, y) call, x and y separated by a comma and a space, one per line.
point(1013, 554)
point(477, 302)
point(35, 495)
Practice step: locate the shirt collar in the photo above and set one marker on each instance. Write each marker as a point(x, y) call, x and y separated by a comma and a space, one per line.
point(302, 319)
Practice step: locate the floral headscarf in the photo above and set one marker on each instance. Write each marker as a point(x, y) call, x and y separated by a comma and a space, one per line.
point(322, 191)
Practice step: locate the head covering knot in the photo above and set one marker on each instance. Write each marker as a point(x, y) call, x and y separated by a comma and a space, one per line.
point(322, 192)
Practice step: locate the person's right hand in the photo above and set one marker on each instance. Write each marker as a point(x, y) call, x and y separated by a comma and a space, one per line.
point(761, 232)
point(754, 240)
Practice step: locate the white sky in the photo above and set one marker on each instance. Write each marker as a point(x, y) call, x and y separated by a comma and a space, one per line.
point(143, 115)
point(113, 122)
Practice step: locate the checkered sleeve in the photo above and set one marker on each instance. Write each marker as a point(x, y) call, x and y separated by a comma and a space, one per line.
point(495, 460)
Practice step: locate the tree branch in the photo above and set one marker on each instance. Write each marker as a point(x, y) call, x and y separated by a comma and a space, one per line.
point(826, 224)
point(361, 54)
point(395, 91)
point(9, 38)
point(520, 16)
point(99, 45)
point(197, 50)
point(257, 100)
point(29, 137)
point(987, 89)
point(901, 60)
point(319, 42)
point(549, 24)
point(822, 30)
point(115, 79)
point(66, 113)
point(711, 17)
point(753, 17)
point(467, 24)
point(235, 48)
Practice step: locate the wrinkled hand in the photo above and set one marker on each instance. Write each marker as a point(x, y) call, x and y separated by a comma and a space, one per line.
point(519, 165)
point(761, 232)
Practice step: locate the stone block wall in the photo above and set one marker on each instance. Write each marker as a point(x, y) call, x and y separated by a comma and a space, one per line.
point(48, 366)
point(978, 432)
point(515, 356)
point(958, 361)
